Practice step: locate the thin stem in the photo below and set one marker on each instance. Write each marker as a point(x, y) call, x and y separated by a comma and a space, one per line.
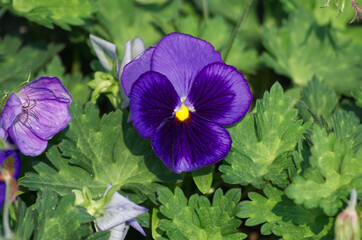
point(6, 210)
point(237, 28)
point(205, 11)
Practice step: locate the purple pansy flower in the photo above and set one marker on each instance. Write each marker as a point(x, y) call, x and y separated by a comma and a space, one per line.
point(11, 159)
point(181, 96)
point(35, 114)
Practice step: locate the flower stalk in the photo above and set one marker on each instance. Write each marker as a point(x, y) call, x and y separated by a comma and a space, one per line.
point(237, 28)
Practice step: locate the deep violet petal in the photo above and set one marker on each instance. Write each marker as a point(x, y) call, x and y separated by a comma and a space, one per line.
point(180, 57)
point(153, 100)
point(190, 145)
point(220, 94)
point(17, 162)
point(17, 165)
point(12, 109)
point(136, 68)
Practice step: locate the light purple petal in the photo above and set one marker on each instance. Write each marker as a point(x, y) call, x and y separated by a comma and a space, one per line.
point(138, 47)
point(101, 47)
point(48, 115)
point(136, 226)
point(12, 109)
point(136, 68)
point(51, 83)
point(119, 210)
point(3, 133)
point(191, 144)
point(180, 57)
point(153, 100)
point(127, 56)
point(27, 142)
point(220, 94)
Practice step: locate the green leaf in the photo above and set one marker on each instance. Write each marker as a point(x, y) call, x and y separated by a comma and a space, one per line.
point(347, 127)
point(99, 236)
point(24, 220)
point(20, 59)
point(280, 216)
point(120, 21)
point(262, 142)
point(97, 153)
point(59, 219)
point(75, 83)
point(320, 100)
point(335, 170)
point(301, 49)
point(196, 218)
point(203, 178)
point(357, 94)
point(48, 12)
point(154, 223)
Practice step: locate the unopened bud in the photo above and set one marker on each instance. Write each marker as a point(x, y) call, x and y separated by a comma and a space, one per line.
point(347, 225)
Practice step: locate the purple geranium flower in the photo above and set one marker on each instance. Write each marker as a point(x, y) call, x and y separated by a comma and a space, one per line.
point(181, 97)
point(9, 162)
point(35, 114)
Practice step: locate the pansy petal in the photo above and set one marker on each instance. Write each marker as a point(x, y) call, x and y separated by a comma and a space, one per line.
point(12, 109)
point(153, 100)
point(136, 68)
point(180, 57)
point(46, 114)
point(51, 83)
point(118, 210)
point(138, 47)
point(27, 142)
point(190, 145)
point(220, 94)
point(101, 47)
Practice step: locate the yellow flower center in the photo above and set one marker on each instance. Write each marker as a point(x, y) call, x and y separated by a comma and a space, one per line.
point(183, 113)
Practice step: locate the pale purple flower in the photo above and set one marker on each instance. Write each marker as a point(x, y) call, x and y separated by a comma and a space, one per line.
point(35, 114)
point(119, 215)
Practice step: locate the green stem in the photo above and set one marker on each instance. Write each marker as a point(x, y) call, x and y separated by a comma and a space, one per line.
point(7, 229)
point(237, 28)
point(205, 11)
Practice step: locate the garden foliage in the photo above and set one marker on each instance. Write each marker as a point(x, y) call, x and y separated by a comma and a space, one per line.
point(295, 156)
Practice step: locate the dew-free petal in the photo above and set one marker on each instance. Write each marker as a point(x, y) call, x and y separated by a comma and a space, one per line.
point(180, 57)
point(48, 115)
point(101, 47)
point(51, 83)
point(12, 109)
point(153, 100)
point(27, 142)
point(133, 222)
point(138, 47)
point(136, 68)
point(119, 210)
point(190, 145)
point(220, 94)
